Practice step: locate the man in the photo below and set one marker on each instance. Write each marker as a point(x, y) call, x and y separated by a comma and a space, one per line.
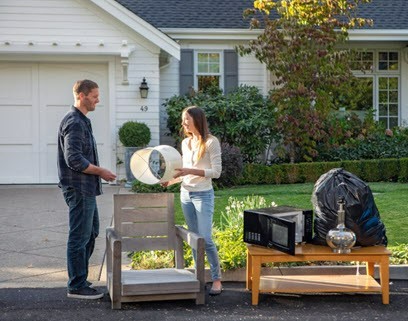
point(80, 180)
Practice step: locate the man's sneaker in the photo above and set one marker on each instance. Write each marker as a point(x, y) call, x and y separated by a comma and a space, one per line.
point(85, 293)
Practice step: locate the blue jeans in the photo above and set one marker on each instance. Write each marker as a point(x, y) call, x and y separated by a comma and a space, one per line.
point(198, 209)
point(83, 230)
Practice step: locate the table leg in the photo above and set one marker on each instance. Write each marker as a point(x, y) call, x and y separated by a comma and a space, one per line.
point(249, 271)
point(385, 279)
point(256, 276)
point(370, 268)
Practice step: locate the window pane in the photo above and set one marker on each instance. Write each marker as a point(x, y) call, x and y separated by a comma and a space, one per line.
point(362, 98)
point(206, 82)
point(202, 67)
point(383, 83)
point(383, 97)
point(214, 57)
point(382, 110)
point(388, 60)
point(393, 97)
point(383, 55)
point(393, 56)
point(203, 57)
point(393, 83)
point(214, 68)
point(393, 109)
point(393, 122)
point(383, 121)
point(393, 65)
point(208, 63)
point(383, 65)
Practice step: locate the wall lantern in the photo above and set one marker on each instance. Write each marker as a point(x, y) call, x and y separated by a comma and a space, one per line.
point(144, 89)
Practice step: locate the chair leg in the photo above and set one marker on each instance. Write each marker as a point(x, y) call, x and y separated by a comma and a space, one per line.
point(116, 305)
point(200, 298)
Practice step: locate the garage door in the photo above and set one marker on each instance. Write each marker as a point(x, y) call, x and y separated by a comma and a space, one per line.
point(33, 99)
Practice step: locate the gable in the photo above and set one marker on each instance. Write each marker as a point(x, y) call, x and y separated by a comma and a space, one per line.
point(76, 26)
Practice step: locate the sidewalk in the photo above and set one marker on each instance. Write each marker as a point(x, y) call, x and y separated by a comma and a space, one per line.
point(33, 234)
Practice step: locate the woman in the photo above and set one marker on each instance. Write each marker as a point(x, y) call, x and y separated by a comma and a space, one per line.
point(201, 162)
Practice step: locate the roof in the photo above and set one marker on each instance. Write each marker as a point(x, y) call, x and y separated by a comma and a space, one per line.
point(386, 14)
point(209, 14)
point(215, 14)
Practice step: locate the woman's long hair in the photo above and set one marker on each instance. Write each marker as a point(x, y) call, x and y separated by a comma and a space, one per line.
point(200, 123)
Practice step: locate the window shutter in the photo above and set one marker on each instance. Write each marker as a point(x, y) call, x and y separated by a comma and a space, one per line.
point(186, 71)
point(230, 70)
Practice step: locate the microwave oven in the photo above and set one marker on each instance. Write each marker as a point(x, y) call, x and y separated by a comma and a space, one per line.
point(280, 227)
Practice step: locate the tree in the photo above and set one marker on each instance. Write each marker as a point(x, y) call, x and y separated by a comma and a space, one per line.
point(302, 47)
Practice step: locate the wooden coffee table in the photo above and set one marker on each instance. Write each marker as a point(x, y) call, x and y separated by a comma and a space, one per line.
point(256, 255)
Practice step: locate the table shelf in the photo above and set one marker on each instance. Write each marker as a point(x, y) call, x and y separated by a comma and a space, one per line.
point(318, 283)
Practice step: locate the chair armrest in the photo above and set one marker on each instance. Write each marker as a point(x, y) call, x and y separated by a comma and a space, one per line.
point(197, 242)
point(191, 238)
point(114, 241)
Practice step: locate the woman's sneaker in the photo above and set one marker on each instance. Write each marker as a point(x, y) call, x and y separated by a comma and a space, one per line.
point(85, 293)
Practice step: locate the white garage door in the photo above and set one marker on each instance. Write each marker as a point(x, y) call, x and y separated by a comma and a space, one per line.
point(33, 99)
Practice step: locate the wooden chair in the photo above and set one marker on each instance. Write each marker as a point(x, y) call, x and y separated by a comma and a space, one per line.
point(146, 222)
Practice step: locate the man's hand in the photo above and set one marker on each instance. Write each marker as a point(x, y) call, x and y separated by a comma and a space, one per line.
point(107, 175)
point(104, 173)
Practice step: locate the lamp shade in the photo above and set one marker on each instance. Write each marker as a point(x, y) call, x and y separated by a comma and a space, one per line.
point(154, 165)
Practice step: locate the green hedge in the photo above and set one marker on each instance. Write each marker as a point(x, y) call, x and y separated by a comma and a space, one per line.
point(377, 170)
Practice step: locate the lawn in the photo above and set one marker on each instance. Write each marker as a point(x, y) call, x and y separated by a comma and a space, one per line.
point(389, 198)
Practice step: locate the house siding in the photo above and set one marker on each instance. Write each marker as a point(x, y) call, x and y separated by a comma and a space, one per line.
point(82, 31)
point(169, 85)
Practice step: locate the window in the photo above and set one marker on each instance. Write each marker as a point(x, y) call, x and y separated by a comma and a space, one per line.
point(363, 60)
point(385, 73)
point(208, 70)
point(200, 69)
point(388, 101)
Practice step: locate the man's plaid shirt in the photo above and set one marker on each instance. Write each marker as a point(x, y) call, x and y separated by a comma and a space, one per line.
point(76, 150)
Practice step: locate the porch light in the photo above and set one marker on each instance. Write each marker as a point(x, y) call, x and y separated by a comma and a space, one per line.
point(144, 89)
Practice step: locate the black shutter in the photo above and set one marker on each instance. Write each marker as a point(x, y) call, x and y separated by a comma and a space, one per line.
point(230, 70)
point(186, 71)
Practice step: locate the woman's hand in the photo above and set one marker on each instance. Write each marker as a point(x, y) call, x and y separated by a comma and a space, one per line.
point(165, 184)
point(182, 172)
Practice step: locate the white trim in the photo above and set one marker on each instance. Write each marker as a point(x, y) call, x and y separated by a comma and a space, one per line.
point(48, 48)
point(379, 35)
point(112, 113)
point(212, 34)
point(248, 34)
point(140, 26)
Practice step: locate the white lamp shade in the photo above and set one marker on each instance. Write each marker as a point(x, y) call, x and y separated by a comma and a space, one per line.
point(154, 165)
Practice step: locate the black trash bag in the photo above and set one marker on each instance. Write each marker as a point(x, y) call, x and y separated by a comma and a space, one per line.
point(362, 216)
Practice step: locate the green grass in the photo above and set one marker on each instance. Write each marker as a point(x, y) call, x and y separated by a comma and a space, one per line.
point(390, 199)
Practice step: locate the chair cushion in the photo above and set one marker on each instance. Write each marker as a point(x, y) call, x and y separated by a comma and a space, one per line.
point(160, 281)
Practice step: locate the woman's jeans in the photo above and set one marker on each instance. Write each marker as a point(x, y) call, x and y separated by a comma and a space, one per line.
point(198, 209)
point(83, 230)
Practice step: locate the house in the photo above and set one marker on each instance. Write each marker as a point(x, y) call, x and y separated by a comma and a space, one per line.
point(46, 45)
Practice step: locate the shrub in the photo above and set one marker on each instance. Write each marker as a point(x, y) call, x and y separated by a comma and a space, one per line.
point(242, 118)
point(229, 236)
point(403, 173)
point(389, 169)
point(368, 170)
point(380, 144)
point(139, 187)
point(134, 134)
point(232, 165)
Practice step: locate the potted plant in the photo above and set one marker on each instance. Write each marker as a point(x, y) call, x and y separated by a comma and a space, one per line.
point(133, 136)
